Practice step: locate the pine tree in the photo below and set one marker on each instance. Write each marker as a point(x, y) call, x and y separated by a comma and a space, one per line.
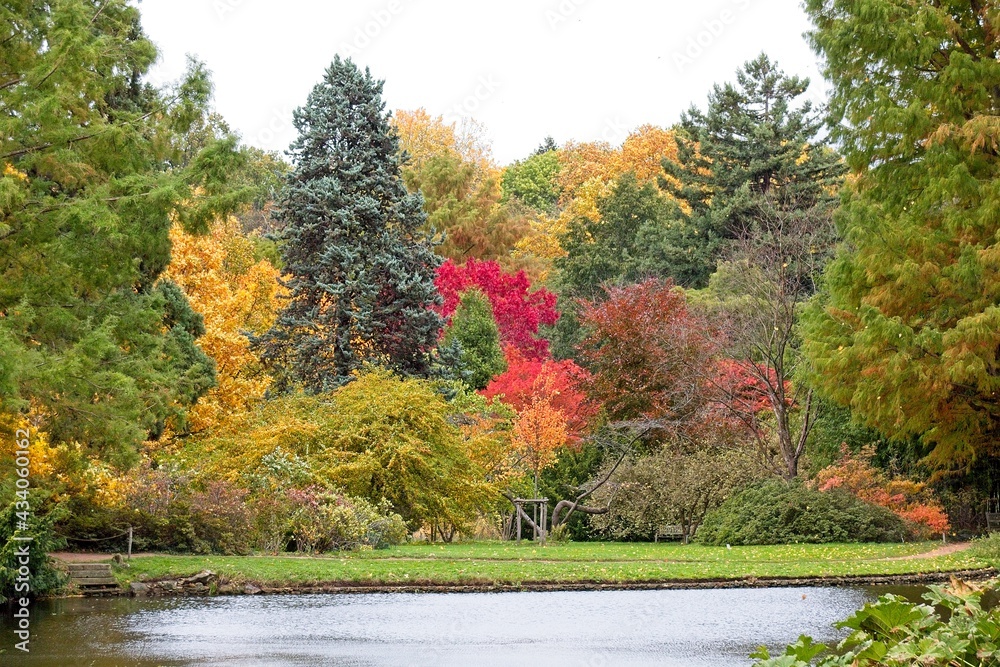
point(908, 331)
point(754, 147)
point(473, 327)
point(361, 270)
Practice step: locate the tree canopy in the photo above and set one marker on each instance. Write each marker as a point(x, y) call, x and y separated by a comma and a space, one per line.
point(908, 329)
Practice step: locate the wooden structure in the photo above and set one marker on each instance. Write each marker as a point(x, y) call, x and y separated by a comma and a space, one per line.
point(93, 578)
point(539, 514)
point(993, 514)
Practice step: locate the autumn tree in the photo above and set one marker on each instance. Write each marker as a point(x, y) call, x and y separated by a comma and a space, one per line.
point(452, 167)
point(236, 292)
point(560, 384)
point(464, 209)
point(647, 354)
point(908, 328)
point(361, 271)
point(380, 437)
point(472, 326)
point(423, 137)
point(539, 432)
point(518, 309)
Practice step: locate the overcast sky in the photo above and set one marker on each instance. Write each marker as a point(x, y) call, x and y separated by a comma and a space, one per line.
point(573, 69)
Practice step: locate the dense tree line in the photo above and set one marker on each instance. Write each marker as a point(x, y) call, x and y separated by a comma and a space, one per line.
point(390, 322)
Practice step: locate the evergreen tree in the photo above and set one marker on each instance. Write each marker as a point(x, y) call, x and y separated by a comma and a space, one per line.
point(636, 235)
point(547, 146)
point(908, 331)
point(475, 329)
point(361, 268)
point(754, 147)
point(94, 167)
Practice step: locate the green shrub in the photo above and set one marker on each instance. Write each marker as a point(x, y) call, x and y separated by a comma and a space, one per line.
point(43, 578)
point(954, 629)
point(779, 512)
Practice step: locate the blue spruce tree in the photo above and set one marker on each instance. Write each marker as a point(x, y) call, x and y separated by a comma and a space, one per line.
point(361, 270)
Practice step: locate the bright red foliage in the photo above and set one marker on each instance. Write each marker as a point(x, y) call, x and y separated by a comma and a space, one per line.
point(556, 382)
point(518, 310)
point(742, 386)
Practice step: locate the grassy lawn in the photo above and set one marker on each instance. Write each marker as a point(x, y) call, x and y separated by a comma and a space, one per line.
point(505, 562)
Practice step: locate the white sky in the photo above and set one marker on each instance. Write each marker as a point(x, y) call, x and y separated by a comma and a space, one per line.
point(573, 69)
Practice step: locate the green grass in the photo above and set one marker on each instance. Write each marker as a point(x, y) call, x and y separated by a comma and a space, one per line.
point(505, 562)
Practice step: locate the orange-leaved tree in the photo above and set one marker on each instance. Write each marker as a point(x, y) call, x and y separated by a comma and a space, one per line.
point(237, 293)
point(539, 431)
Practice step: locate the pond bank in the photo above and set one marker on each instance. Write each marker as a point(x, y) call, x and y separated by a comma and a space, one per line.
point(208, 583)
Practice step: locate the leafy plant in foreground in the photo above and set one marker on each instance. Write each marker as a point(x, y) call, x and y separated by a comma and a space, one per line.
point(954, 629)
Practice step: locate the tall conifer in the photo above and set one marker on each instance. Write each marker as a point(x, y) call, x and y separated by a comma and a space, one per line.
point(361, 270)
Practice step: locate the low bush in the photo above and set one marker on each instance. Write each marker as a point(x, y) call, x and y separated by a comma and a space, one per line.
point(324, 521)
point(779, 512)
point(913, 502)
point(671, 487)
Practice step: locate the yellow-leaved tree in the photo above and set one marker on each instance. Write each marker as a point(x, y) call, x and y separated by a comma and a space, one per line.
point(237, 292)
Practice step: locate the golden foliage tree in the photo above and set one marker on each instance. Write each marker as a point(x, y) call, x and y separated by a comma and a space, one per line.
point(237, 293)
point(539, 431)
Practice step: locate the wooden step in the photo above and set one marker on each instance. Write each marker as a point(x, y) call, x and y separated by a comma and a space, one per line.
point(84, 571)
point(95, 581)
point(93, 578)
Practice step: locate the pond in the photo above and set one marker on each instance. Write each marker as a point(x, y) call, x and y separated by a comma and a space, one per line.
point(689, 628)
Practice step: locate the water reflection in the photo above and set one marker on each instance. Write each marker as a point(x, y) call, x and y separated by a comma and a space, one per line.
point(580, 629)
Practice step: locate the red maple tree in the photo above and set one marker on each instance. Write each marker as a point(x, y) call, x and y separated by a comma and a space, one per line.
point(647, 353)
point(518, 309)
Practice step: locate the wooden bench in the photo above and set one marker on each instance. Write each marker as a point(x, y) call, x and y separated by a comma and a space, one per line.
point(669, 533)
point(992, 521)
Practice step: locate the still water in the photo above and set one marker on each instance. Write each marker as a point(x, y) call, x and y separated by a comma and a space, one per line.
point(580, 629)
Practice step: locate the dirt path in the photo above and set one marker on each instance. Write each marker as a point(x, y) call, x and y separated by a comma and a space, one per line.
point(940, 551)
point(69, 557)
